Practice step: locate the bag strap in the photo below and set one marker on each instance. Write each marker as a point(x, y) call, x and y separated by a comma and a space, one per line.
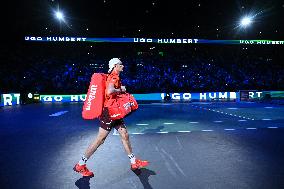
point(107, 75)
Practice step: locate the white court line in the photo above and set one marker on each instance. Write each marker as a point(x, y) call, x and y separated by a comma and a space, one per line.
point(242, 120)
point(58, 114)
point(193, 122)
point(201, 103)
point(205, 130)
point(142, 124)
point(164, 104)
point(168, 123)
point(265, 119)
point(227, 113)
point(184, 131)
point(217, 121)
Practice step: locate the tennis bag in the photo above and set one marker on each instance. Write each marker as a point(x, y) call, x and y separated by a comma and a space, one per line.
point(121, 106)
point(94, 102)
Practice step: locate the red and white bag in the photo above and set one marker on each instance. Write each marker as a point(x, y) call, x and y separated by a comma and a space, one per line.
point(94, 102)
point(121, 106)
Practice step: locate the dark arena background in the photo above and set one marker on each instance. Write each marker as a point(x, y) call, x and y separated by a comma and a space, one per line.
point(207, 75)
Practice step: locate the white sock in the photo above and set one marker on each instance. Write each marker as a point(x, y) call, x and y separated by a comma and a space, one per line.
point(132, 158)
point(83, 160)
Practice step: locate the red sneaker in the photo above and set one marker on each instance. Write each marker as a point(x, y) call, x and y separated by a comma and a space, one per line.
point(83, 170)
point(139, 164)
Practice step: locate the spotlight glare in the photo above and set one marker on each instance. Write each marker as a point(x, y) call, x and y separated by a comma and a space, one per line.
point(246, 21)
point(59, 15)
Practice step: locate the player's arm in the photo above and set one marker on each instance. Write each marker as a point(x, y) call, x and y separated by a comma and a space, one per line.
point(111, 90)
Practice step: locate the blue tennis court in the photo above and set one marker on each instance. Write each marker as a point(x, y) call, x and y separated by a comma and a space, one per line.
point(189, 145)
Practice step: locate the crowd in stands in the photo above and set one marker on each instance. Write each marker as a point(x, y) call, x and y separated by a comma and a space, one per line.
point(67, 69)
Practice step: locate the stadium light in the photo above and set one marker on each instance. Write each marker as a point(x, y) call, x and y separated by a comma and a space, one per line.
point(246, 21)
point(59, 15)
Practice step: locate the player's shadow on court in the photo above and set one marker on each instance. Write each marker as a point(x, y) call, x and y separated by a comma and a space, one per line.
point(144, 174)
point(158, 129)
point(83, 183)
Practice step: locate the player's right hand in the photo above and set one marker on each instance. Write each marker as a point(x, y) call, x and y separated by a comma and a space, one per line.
point(123, 89)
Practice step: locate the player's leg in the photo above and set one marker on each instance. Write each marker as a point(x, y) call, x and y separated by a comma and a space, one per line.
point(99, 140)
point(135, 162)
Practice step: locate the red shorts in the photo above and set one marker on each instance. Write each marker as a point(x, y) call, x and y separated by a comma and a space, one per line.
point(107, 124)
